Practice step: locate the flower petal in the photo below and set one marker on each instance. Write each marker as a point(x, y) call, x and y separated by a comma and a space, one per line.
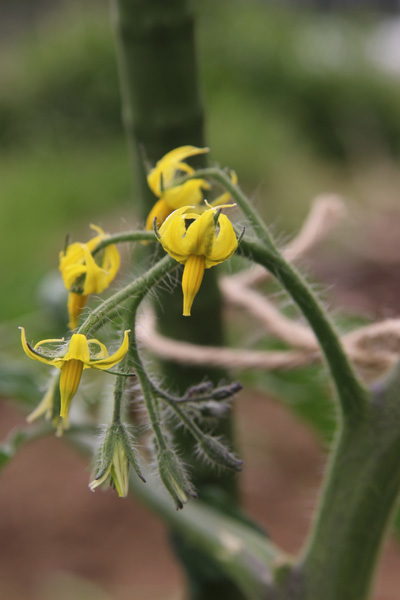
point(191, 281)
point(103, 352)
point(78, 349)
point(29, 351)
point(70, 378)
point(201, 233)
point(161, 210)
point(110, 361)
point(187, 193)
point(169, 164)
point(224, 244)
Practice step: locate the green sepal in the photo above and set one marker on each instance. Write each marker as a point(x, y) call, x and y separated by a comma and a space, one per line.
point(130, 454)
point(106, 452)
point(218, 453)
point(174, 477)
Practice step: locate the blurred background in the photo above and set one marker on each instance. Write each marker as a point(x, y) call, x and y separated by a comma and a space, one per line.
point(301, 98)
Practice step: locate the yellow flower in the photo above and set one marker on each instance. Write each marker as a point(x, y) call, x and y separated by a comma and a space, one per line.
point(82, 275)
point(160, 180)
point(117, 471)
point(199, 241)
point(76, 358)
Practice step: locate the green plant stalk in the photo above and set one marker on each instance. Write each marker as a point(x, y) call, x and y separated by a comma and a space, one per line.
point(118, 394)
point(137, 288)
point(162, 110)
point(353, 396)
point(252, 216)
point(359, 498)
point(363, 478)
point(150, 401)
point(126, 236)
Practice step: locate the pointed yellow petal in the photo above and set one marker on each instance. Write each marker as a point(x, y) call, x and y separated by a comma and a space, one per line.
point(169, 164)
point(94, 242)
point(71, 264)
point(98, 277)
point(201, 233)
point(103, 352)
point(161, 210)
point(173, 235)
point(110, 361)
point(49, 341)
point(191, 281)
point(224, 243)
point(179, 154)
point(98, 229)
point(93, 271)
point(71, 374)
point(78, 349)
point(189, 193)
point(29, 351)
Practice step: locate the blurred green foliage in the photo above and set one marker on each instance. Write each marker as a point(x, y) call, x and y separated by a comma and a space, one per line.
point(283, 108)
point(308, 71)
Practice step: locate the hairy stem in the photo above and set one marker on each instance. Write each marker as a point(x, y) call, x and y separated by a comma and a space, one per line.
point(137, 288)
point(126, 236)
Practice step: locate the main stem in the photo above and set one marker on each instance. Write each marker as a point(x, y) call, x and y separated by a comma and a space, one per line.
point(162, 110)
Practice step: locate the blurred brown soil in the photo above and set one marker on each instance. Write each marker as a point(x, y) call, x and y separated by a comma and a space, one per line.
point(56, 534)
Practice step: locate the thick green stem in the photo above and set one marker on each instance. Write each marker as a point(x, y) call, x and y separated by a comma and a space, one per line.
point(362, 487)
point(162, 110)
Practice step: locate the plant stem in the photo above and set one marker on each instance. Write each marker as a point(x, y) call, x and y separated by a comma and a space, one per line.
point(138, 287)
point(126, 236)
point(352, 395)
point(362, 487)
point(254, 219)
point(162, 110)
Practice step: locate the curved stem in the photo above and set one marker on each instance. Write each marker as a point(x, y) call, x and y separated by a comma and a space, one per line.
point(138, 287)
point(126, 236)
point(353, 397)
point(241, 199)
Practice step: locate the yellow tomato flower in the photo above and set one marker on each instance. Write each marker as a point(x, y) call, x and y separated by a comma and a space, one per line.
point(199, 241)
point(82, 275)
point(76, 358)
point(160, 180)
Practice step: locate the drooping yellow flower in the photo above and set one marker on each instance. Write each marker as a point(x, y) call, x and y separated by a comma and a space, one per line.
point(160, 180)
point(199, 241)
point(74, 360)
point(83, 274)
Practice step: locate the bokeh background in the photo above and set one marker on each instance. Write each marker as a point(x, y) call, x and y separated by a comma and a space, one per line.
point(301, 98)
